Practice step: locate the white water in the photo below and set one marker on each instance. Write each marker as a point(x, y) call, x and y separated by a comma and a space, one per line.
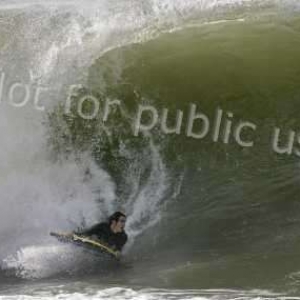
point(38, 195)
point(118, 293)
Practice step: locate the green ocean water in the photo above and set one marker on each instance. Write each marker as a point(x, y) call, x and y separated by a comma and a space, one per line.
point(235, 220)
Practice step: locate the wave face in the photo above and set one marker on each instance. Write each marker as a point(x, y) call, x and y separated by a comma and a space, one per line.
point(211, 189)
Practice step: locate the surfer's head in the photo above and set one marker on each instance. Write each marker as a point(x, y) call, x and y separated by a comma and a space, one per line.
point(117, 222)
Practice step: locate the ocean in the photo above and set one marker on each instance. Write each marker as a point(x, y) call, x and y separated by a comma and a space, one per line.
point(182, 114)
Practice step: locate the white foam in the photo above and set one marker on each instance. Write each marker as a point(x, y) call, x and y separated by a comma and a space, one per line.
point(119, 293)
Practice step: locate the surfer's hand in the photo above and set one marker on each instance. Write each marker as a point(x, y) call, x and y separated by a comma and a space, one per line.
point(94, 237)
point(118, 254)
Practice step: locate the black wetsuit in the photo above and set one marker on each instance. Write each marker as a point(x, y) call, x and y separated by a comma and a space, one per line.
point(103, 232)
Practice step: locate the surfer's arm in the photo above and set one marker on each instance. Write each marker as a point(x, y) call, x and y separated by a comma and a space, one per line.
point(121, 242)
point(95, 230)
point(118, 254)
point(90, 231)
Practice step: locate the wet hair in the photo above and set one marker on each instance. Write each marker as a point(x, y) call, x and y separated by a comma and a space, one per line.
point(115, 217)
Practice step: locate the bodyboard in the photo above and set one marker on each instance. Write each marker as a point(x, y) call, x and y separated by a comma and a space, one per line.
point(86, 243)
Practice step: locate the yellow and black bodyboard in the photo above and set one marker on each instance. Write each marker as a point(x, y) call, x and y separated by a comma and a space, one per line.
point(85, 242)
